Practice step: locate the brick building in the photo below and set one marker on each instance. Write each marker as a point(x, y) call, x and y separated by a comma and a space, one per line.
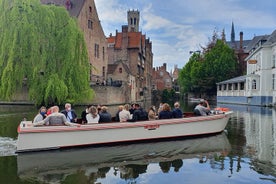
point(86, 13)
point(161, 78)
point(132, 50)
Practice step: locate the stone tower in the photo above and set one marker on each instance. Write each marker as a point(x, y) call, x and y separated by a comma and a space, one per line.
point(133, 17)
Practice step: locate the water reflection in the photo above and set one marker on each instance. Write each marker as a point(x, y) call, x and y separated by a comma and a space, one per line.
point(127, 162)
point(247, 156)
point(255, 128)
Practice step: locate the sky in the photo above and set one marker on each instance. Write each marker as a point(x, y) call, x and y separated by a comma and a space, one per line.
point(176, 27)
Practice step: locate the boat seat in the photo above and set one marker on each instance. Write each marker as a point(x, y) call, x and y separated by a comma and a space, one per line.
point(197, 112)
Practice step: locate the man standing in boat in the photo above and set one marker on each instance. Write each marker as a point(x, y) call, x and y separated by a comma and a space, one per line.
point(69, 113)
point(55, 118)
point(201, 109)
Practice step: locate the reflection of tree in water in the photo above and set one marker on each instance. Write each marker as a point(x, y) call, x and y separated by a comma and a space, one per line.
point(82, 177)
point(176, 164)
point(132, 171)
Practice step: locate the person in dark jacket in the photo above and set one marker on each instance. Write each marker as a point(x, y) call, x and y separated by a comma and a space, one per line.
point(166, 112)
point(69, 113)
point(177, 112)
point(105, 117)
point(139, 114)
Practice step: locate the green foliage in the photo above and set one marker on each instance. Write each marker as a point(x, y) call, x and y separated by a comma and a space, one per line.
point(168, 96)
point(202, 72)
point(43, 44)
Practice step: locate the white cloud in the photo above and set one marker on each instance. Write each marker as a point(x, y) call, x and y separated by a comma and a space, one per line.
point(176, 27)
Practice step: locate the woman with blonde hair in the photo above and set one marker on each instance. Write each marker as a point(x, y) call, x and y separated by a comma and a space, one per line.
point(92, 116)
point(124, 114)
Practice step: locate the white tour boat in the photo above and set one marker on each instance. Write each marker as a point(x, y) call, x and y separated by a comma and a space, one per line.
point(32, 138)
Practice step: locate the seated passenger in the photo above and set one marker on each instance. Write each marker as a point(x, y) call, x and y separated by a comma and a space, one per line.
point(69, 113)
point(41, 114)
point(124, 115)
point(139, 114)
point(152, 113)
point(166, 112)
point(55, 118)
point(92, 116)
point(177, 112)
point(203, 110)
point(105, 117)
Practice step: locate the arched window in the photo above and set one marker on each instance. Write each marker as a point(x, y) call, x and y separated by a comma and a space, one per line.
point(254, 84)
point(134, 21)
point(131, 21)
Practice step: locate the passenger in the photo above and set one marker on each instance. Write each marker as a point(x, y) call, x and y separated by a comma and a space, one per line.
point(166, 113)
point(177, 112)
point(201, 109)
point(84, 113)
point(105, 117)
point(99, 108)
point(93, 116)
point(152, 113)
point(139, 114)
point(132, 108)
point(160, 108)
point(56, 118)
point(69, 113)
point(49, 111)
point(120, 108)
point(124, 115)
point(41, 114)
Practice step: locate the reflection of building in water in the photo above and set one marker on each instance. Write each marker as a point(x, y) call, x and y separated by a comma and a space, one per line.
point(260, 132)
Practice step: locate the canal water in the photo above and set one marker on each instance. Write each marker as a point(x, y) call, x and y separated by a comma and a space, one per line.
point(244, 153)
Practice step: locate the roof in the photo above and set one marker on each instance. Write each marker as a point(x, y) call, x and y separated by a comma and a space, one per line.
point(255, 41)
point(271, 39)
point(113, 67)
point(76, 5)
point(135, 40)
point(234, 80)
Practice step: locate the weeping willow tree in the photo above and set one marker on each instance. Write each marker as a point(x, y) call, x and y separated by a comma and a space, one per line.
point(42, 44)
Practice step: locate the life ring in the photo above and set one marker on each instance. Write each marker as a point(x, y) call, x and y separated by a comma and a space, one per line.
point(222, 109)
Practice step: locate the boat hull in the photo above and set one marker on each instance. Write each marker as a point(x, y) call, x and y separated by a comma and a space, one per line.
point(54, 137)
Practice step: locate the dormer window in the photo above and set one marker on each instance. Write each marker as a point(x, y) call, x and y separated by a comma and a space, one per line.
point(68, 4)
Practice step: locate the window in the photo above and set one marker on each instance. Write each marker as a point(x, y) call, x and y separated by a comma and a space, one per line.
point(103, 53)
point(273, 81)
point(242, 86)
point(254, 84)
point(103, 72)
point(235, 86)
point(96, 51)
point(229, 86)
point(90, 9)
point(273, 60)
point(120, 70)
point(90, 24)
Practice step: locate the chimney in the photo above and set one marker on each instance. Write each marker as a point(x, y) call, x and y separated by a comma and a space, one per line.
point(241, 40)
point(165, 66)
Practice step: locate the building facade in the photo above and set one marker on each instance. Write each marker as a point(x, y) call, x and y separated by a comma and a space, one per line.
point(162, 79)
point(258, 86)
point(133, 50)
point(86, 13)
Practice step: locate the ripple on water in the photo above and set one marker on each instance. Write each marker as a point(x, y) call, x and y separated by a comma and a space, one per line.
point(7, 146)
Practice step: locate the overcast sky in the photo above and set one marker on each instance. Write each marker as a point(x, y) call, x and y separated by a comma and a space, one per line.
point(177, 27)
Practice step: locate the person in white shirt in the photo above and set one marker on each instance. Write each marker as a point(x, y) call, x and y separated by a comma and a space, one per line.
point(124, 115)
point(92, 116)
